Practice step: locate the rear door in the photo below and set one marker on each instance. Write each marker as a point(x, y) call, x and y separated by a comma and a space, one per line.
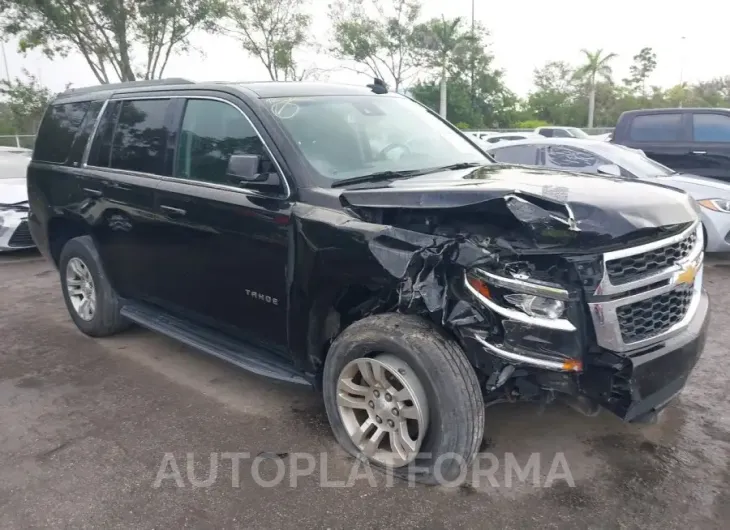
point(665, 137)
point(710, 153)
point(126, 159)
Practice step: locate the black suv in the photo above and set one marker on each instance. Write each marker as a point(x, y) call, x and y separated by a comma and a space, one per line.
point(349, 239)
point(689, 140)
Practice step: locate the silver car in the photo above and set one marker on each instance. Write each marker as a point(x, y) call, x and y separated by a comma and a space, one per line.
point(604, 158)
point(14, 233)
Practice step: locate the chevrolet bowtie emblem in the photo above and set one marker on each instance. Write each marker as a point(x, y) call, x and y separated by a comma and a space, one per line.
point(687, 275)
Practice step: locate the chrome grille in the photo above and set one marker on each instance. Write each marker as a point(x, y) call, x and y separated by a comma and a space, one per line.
point(631, 268)
point(648, 293)
point(651, 317)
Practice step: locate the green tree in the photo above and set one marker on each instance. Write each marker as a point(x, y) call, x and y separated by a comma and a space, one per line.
point(271, 31)
point(106, 32)
point(25, 101)
point(555, 98)
point(486, 103)
point(595, 68)
point(378, 36)
point(440, 39)
point(644, 64)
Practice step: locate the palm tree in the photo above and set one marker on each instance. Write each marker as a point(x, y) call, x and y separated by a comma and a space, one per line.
point(596, 66)
point(440, 39)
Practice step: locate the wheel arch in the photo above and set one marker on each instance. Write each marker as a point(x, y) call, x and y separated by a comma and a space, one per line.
point(333, 311)
point(60, 231)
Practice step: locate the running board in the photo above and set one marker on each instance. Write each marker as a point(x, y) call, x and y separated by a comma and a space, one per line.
point(212, 343)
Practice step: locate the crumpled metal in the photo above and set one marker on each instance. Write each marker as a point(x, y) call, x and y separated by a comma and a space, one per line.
point(426, 265)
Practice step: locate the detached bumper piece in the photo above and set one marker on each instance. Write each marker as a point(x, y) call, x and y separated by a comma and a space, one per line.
point(634, 386)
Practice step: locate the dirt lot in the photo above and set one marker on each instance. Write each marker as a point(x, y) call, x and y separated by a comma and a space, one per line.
point(85, 426)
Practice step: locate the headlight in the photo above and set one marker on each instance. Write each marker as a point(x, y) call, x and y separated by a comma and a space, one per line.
point(528, 302)
point(716, 205)
point(537, 306)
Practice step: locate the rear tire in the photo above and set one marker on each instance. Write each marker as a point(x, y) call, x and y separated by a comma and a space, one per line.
point(455, 407)
point(90, 299)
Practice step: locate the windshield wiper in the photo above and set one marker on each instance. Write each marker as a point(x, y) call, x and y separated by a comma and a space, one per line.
point(391, 175)
point(453, 167)
point(375, 177)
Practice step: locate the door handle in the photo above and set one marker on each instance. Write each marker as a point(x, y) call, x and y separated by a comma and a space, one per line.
point(91, 192)
point(172, 210)
point(699, 152)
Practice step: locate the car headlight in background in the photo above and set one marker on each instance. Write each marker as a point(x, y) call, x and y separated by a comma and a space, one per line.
point(716, 205)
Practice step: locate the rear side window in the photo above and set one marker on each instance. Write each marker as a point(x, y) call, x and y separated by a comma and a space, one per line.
point(58, 130)
point(516, 154)
point(711, 128)
point(573, 159)
point(82, 137)
point(140, 136)
point(101, 146)
point(656, 128)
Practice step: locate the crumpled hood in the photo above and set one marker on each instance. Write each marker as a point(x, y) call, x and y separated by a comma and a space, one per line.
point(596, 205)
point(13, 191)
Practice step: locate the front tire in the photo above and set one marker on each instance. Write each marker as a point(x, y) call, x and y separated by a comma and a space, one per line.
point(92, 303)
point(432, 426)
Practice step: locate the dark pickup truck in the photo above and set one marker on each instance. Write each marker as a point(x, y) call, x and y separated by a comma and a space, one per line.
point(695, 141)
point(349, 239)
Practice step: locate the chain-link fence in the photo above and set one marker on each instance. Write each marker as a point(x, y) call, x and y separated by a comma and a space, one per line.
point(17, 140)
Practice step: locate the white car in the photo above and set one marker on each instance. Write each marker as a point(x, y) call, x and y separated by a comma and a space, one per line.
point(605, 158)
point(508, 137)
point(561, 132)
point(14, 232)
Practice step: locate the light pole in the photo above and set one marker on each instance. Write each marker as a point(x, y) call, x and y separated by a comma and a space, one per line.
point(5, 61)
point(473, 50)
point(681, 70)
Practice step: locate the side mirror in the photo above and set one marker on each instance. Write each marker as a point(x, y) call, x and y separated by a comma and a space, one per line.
point(611, 170)
point(252, 171)
point(244, 167)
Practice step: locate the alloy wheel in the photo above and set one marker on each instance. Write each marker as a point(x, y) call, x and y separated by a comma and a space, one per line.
point(81, 289)
point(384, 408)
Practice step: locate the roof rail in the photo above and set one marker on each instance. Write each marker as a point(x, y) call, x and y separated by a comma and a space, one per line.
point(127, 84)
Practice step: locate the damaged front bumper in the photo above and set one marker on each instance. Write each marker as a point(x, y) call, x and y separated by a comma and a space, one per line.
point(648, 331)
point(548, 310)
point(635, 386)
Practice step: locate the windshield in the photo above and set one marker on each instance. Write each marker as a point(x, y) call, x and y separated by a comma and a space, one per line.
point(351, 136)
point(638, 163)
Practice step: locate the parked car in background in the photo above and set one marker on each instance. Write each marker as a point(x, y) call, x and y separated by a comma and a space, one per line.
point(605, 137)
point(561, 132)
point(693, 140)
point(508, 137)
point(604, 158)
point(7, 149)
point(482, 135)
point(14, 233)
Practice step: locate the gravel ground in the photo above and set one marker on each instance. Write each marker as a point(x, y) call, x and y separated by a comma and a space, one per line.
point(86, 424)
